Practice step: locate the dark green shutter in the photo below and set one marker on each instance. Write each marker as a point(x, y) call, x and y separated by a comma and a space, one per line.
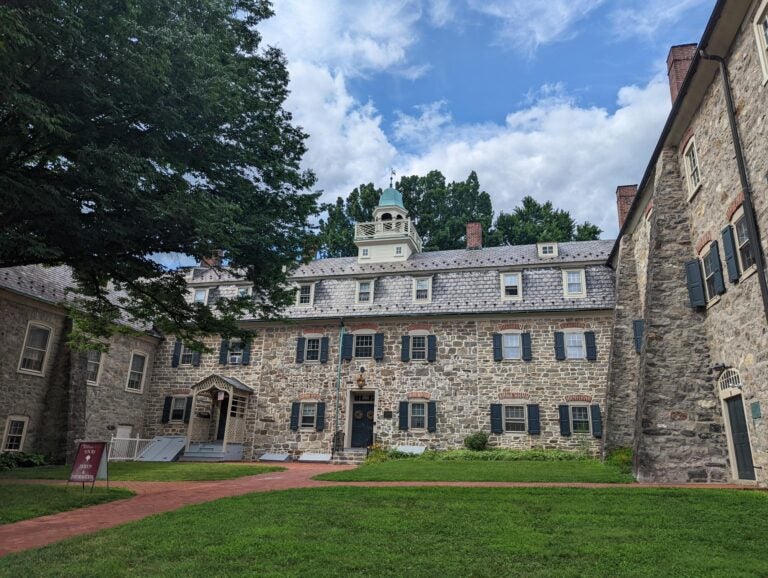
point(431, 348)
point(295, 409)
point(176, 354)
point(559, 345)
point(730, 249)
point(403, 416)
point(320, 416)
point(497, 353)
point(695, 283)
point(717, 268)
point(346, 346)
point(166, 409)
point(597, 421)
point(589, 339)
point(405, 348)
point(378, 346)
point(300, 341)
point(196, 358)
point(527, 349)
point(324, 350)
point(431, 416)
point(188, 410)
point(496, 425)
point(534, 420)
point(223, 351)
point(565, 420)
point(638, 327)
point(247, 351)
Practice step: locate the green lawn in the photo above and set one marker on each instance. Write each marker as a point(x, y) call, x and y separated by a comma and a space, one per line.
point(21, 502)
point(149, 472)
point(478, 471)
point(445, 532)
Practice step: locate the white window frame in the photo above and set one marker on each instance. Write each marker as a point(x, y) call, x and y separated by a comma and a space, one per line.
point(415, 289)
point(579, 332)
point(368, 333)
point(543, 247)
point(519, 335)
point(204, 300)
point(737, 216)
point(411, 404)
point(420, 335)
point(183, 409)
point(583, 280)
point(312, 337)
point(371, 285)
point(186, 351)
point(710, 296)
point(504, 296)
point(46, 353)
point(244, 291)
point(504, 418)
point(307, 404)
point(7, 431)
point(231, 349)
point(98, 371)
point(365, 253)
point(761, 20)
point(311, 295)
point(398, 251)
point(143, 372)
point(589, 418)
point(694, 184)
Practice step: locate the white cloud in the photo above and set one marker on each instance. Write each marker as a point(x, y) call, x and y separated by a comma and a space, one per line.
point(441, 12)
point(646, 19)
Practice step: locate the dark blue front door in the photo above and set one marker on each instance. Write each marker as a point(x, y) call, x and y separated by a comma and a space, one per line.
point(740, 438)
point(223, 405)
point(362, 425)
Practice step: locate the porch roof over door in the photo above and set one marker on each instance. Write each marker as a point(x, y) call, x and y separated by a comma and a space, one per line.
point(225, 383)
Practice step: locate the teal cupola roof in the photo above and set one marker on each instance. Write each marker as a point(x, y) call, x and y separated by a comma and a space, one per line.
point(391, 198)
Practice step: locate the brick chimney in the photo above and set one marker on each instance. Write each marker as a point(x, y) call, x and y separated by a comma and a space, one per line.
point(678, 62)
point(474, 235)
point(625, 194)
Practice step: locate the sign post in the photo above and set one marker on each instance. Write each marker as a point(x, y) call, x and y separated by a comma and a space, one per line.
point(90, 464)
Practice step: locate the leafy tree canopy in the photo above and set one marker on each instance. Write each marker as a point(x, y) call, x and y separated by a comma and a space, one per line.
point(534, 222)
point(132, 128)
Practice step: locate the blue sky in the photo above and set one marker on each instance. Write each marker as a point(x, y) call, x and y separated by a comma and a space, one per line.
point(560, 99)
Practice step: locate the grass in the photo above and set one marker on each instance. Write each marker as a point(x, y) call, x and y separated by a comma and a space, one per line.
point(482, 471)
point(149, 472)
point(21, 502)
point(340, 531)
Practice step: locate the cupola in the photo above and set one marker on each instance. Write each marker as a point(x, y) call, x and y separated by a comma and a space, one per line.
point(391, 236)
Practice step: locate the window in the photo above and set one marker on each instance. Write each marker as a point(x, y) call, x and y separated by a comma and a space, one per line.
point(201, 296)
point(580, 419)
point(514, 418)
point(308, 415)
point(418, 347)
point(422, 289)
point(15, 429)
point(136, 372)
point(93, 366)
point(709, 273)
point(312, 349)
point(187, 356)
point(760, 25)
point(364, 252)
point(511, 286)
point(574, 283)
point(364, 292)
point(510, 346)
point(692, 175)
point(235, 352)
point(574, 345)
point(398, 250)
point(35, 350)
point(178, 408)
point(746, 259)
point(243, 291)
point(418, 416)
point(363, 345)
point(547, 250)
point(305, 295)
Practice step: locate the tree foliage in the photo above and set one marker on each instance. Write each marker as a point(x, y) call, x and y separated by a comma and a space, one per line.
point(130, 128)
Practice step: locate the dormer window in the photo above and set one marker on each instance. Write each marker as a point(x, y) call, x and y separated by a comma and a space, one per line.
point(422, 290)
point(547, 250)
point(511, 286)
point(305, 295)
point(364, 292)
point(574, 283)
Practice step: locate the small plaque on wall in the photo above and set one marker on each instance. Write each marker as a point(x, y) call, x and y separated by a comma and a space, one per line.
point(387, 414)
point(756, 412)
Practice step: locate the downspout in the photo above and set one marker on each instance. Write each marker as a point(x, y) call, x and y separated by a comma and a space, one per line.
point(338, 389)
point(749, 209)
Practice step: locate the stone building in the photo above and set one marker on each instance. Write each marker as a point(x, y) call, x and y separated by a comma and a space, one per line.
point(689, 359)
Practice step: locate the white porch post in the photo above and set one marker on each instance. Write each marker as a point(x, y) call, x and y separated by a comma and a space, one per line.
point(227, 424)
point(191, 425)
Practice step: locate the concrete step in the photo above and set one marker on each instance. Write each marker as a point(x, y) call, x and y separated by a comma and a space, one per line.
point(350, 457)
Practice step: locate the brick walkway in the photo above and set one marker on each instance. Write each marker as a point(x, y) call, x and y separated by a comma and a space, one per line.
point(158, 497)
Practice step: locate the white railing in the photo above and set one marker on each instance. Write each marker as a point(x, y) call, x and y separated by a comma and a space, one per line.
point(384, 229)
point(126, 449)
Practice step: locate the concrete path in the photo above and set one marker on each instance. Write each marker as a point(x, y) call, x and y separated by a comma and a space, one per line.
point(158, 497)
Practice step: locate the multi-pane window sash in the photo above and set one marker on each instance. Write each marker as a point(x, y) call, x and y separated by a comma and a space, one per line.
point(511, 285)
point(580, 419)
point(235, 352)
point(574, 282)
point(364, 292)
point(178, 408)
point(312, 350)
point(187, 356)
point(136, 373)
point(419, 347)
point(422, 289)
point(514, 418)
point(92, 368)
point(15, 435)
point(547, 250)
point(418, 415)
point(709, 275)
point(692, 164)
point(363, 345)
point(511, 346)
point(574, 345)
point(742, 239)
point(200, 295)
point(308, 415)
point(305, 295)
point(35, 348)
point(765, 31)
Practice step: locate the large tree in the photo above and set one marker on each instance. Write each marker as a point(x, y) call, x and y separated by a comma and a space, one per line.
point(130, 128)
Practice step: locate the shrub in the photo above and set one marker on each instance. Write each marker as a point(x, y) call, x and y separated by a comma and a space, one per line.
point(477, 442)
point(378, 453)
point(503, 455)
point(621, 458)
point(12, 460)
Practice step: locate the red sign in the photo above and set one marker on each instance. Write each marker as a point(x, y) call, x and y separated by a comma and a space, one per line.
point(88, 462)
